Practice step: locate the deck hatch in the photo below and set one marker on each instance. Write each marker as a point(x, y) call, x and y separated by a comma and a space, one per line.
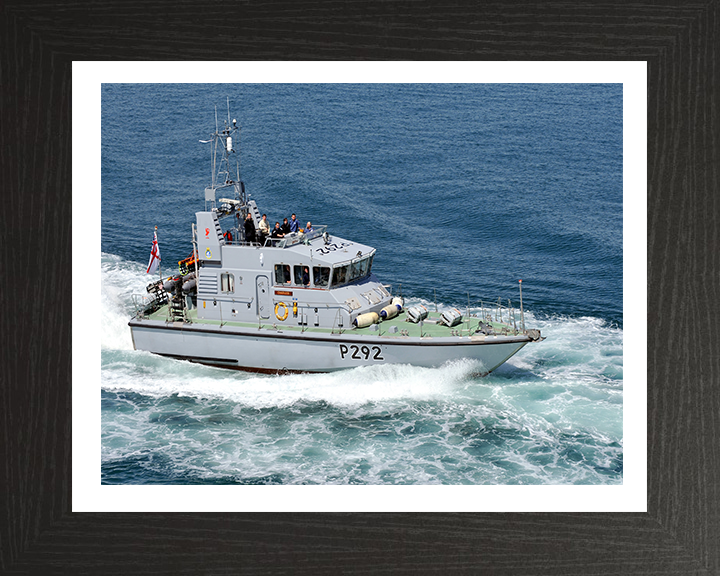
point(353, 302)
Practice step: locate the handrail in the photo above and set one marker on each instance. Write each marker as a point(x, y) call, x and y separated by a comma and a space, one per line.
point(496, 312)
point(294, 238)
point(145, 304)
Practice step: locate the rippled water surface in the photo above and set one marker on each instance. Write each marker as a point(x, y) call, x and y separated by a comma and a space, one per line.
point(463, 190)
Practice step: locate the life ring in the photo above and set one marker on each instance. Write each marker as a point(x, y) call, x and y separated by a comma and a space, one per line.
point(277, 308)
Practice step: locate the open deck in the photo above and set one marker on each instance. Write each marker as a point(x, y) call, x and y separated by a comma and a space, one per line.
point(430, 328)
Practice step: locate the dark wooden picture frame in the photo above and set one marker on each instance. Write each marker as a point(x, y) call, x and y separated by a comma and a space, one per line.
point(39, 534)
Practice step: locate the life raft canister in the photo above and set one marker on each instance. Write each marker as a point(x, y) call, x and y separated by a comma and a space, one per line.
point(417, 313)
point(451, 317)
point(284, 315)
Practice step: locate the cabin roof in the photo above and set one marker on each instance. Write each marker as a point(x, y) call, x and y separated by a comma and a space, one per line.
point(336, 251)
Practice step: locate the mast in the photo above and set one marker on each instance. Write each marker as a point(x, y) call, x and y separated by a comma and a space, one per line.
point(225, 151)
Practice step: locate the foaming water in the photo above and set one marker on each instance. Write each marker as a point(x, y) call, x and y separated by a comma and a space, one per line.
point(120, 280)
point(551, 415)
point(345, 389)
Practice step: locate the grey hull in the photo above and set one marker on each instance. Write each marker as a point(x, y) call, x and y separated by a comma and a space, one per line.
point(277, 351)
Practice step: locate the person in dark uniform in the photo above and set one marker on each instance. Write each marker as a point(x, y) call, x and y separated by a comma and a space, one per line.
point(277, 231)
point(285, 228)
point(249, 229)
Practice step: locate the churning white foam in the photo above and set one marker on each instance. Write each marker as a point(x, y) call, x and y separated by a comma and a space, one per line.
point(158, 377)
point(119, 281)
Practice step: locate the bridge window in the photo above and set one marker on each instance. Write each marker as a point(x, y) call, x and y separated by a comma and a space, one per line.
point(321, 276)
point(302, 275)
point(340, 275)
point(351, 272)
point(282, 274)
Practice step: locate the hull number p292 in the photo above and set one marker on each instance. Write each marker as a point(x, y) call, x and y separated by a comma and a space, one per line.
point(360, 352)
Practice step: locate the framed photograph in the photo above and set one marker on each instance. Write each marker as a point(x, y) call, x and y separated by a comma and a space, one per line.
point(602, 500)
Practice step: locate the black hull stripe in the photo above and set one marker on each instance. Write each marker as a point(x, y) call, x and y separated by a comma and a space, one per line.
point(232, 364)
point(202, 359)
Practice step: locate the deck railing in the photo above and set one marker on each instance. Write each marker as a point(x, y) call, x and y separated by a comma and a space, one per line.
point(145, 304)
point(294, 238)
point(496, 312)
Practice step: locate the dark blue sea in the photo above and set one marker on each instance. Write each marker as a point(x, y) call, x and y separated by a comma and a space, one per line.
point(464, 189)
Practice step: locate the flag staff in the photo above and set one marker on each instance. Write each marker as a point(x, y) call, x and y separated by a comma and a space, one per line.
point(522, 313)
point(159, 259)
point(154, 256)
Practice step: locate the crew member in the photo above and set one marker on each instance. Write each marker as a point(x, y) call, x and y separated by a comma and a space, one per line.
point(277, 231)
point(249, 229)
point(294, 224)
point(263, 229)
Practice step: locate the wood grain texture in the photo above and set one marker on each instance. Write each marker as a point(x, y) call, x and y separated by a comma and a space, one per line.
point(681, 532)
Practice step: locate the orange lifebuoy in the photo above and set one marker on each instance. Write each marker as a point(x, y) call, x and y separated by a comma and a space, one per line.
point(279, 316)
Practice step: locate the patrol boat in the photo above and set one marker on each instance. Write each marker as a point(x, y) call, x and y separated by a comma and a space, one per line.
point(304, 302)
